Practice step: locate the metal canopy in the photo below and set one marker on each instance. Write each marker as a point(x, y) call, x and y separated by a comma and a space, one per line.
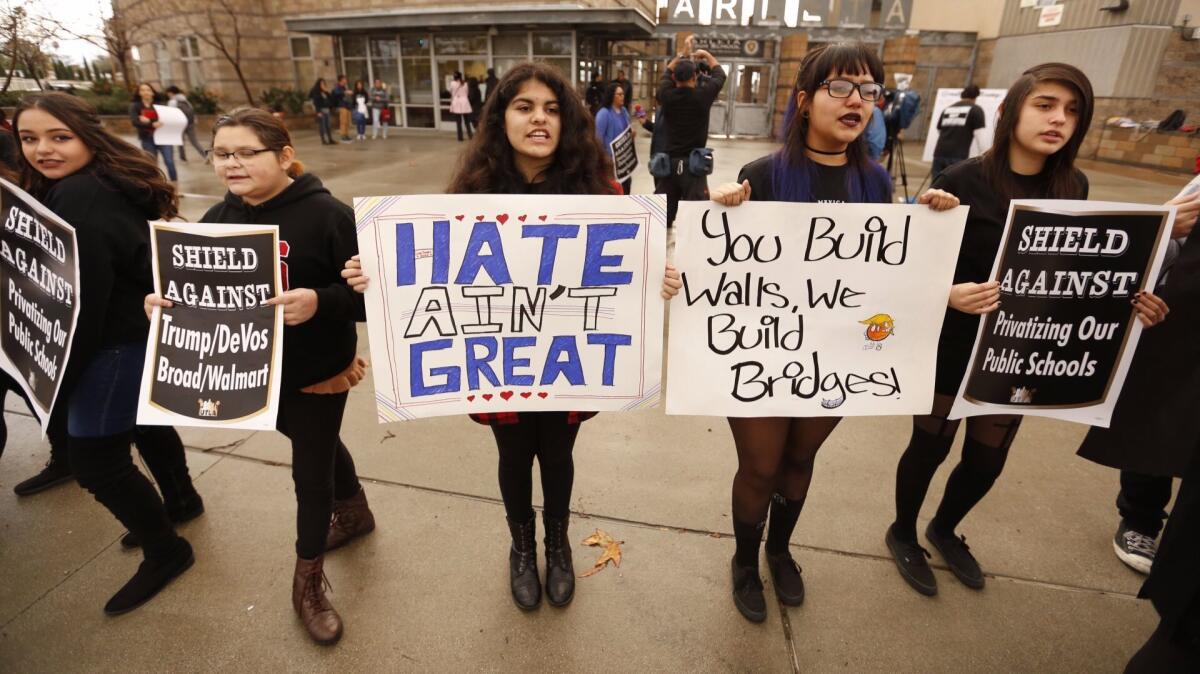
point(623, 21)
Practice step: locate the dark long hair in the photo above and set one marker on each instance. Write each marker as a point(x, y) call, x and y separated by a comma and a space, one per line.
point(1059, 172)
point(268, 128)
point(580, 166)
point(316, 87)
point(114, 157)
point(610, 92)
point(137, 92)
point(791, 168)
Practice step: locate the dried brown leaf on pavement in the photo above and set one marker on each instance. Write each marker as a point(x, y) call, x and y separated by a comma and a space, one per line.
point(612, 551)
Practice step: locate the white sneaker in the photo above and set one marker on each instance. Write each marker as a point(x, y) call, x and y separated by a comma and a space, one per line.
point(1136, 549)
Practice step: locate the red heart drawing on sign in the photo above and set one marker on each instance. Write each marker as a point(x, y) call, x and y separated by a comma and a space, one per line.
point(479, 218)
point(525, 394)
point(542, 218)
point(506, 394)
point(542, 394)
point(470, 398)
point(459, 217)
point(502, 218)
point(522, 217)
point(487, 396)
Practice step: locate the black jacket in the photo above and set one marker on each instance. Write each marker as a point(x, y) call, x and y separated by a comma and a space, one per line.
point(113, 245)
point(316, 237)
point(136, 110)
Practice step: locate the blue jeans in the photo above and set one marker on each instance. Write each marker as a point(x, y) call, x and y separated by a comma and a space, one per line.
point(104, 401)
point(167, 152)
point(323, 125)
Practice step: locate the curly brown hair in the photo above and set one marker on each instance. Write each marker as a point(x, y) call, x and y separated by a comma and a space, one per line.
point(113, 156)
point(580, 165)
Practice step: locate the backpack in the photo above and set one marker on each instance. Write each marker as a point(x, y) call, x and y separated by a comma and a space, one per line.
point(1173, 121)
point(187, 109)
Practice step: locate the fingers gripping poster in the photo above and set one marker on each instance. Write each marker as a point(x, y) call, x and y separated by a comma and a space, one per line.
point(214, 358)
point(39, 297)
point(481, 304)
point(1060, 344)
point(809, 309)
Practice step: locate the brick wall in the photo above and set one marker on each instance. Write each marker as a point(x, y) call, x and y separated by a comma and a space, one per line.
point(1172, 151)
point(792, 49)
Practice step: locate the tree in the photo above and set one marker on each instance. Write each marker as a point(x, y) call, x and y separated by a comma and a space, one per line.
point(21, 40)
point(216, 24)
point(116, 36)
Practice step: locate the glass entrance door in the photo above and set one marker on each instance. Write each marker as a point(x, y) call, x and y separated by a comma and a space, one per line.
point(745, 104)
point(446, 67)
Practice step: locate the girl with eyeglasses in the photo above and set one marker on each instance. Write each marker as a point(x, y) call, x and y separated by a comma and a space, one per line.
point(1042, 122)
point(824, 159)
point(107, 190)
point(254, 157)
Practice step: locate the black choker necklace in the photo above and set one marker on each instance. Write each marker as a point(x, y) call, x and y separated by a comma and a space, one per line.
point(815, 150)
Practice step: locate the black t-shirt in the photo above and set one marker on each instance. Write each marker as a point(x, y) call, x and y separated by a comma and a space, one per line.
point(985, 226)
point(956, 129)
point(687, 110)
point(828, 182)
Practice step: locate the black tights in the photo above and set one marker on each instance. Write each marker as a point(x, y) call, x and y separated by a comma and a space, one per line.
point(322, 468)
point(985, 450)
point(547, 436)
point(775, 459)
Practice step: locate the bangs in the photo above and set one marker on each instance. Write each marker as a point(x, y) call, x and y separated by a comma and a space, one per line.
point(847, 58)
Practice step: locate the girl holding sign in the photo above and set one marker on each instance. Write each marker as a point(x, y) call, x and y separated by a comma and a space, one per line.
point(254, 157)
point(145, 119)
point(612, 120)
point(536, 137)
point(824, 159)
point(1040, 127)
point(107, 190)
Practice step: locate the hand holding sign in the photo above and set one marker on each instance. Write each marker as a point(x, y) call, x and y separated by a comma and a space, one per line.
point(299, 305)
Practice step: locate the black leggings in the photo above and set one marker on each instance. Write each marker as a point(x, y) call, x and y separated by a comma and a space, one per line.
point(547, 436)
point(985, 450)
point(322, 468)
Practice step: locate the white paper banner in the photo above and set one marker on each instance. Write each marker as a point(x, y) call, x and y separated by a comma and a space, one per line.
point(174, 123)
point(481, 304)
point(809, 309)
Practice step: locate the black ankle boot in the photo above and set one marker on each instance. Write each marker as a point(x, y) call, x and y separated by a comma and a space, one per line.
point(152, 576)
point(560, 574)
point(55, 473)
point(178, 511)
point(522, 564)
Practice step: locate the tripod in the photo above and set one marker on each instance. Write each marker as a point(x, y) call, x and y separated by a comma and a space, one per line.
point(896, 151)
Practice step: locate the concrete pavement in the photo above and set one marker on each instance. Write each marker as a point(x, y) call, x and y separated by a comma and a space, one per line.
point(428, 590)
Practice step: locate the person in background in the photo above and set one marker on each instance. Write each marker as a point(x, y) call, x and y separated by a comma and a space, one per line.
point(612, 120)
point(490, 84)
point(627, 86)
point(685, 103)
point(176, 99)
point(344, 102)
point(595, 93)
point(322, 102)
point(380, 100)
point(460, 105)
point(361, 101)
point(876, 135)
point(145, 119)
point(956, 131)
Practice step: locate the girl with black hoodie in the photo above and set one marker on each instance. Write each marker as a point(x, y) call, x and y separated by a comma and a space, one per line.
point(254, 156)
point(107, 190)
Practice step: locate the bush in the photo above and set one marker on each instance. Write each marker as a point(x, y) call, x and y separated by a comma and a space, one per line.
point(203, 102)
point(288, 100)
point(9, 99)
point(115, 102)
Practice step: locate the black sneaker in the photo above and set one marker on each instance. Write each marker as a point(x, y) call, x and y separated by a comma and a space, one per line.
point(910, 561)
point(748, 592)
point(55, 472)
point(785, 576)
point(958, 557)
point(191, 509)
point(151, 577)
point(1134, 548)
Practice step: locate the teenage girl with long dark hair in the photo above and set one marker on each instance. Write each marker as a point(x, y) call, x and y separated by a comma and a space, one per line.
point(1042, 122)
point(108, 190)
point(824, 159)
point(254, 157)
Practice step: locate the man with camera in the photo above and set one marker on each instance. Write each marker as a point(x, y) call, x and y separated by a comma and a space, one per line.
point(684, 101)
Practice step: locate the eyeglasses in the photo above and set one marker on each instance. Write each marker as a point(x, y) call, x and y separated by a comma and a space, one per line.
point(869, 91)
point(244, 154)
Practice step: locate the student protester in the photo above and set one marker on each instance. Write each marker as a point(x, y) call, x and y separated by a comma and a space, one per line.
point(824, 159)
point(177, 99)
point(322, 102)
point(594, 97)
point(361, 101)
point(343, 101)
point(107, 191)
point(254, 157)
point(956, 131)
point(611, 121)
point(475, 98)
point(536, 138)
point(145, 119)
point(460, 105)
point(626, 86)
point(380, 101)
point(685, 103)
point(1042, 122)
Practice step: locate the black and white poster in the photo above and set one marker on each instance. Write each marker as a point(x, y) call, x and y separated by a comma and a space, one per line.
point(1060, 344)
point(39, 296)
point(624, 155)
point(214, 358)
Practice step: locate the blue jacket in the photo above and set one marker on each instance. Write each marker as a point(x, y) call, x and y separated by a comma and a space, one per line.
point(876, 135)
point(610, 124)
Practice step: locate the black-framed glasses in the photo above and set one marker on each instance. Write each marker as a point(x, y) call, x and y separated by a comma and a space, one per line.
point(244, 154)
point(869, 91)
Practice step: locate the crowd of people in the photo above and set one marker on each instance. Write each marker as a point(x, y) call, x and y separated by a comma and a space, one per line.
point(531, 133)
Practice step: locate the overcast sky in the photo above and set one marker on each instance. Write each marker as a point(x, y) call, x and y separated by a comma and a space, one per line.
point(84, 17)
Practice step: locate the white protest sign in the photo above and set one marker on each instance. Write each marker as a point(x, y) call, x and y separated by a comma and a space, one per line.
point(989, 100)
point(1060, 344)
point(174, 123)
point(798, 309)
point(491, 303)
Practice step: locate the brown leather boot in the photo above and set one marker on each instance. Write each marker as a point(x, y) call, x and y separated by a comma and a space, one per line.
point(351, 518)
point(321, 620)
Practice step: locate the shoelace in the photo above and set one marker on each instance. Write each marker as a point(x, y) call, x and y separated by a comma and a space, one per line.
point(313, 597)
point(1140, 543)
